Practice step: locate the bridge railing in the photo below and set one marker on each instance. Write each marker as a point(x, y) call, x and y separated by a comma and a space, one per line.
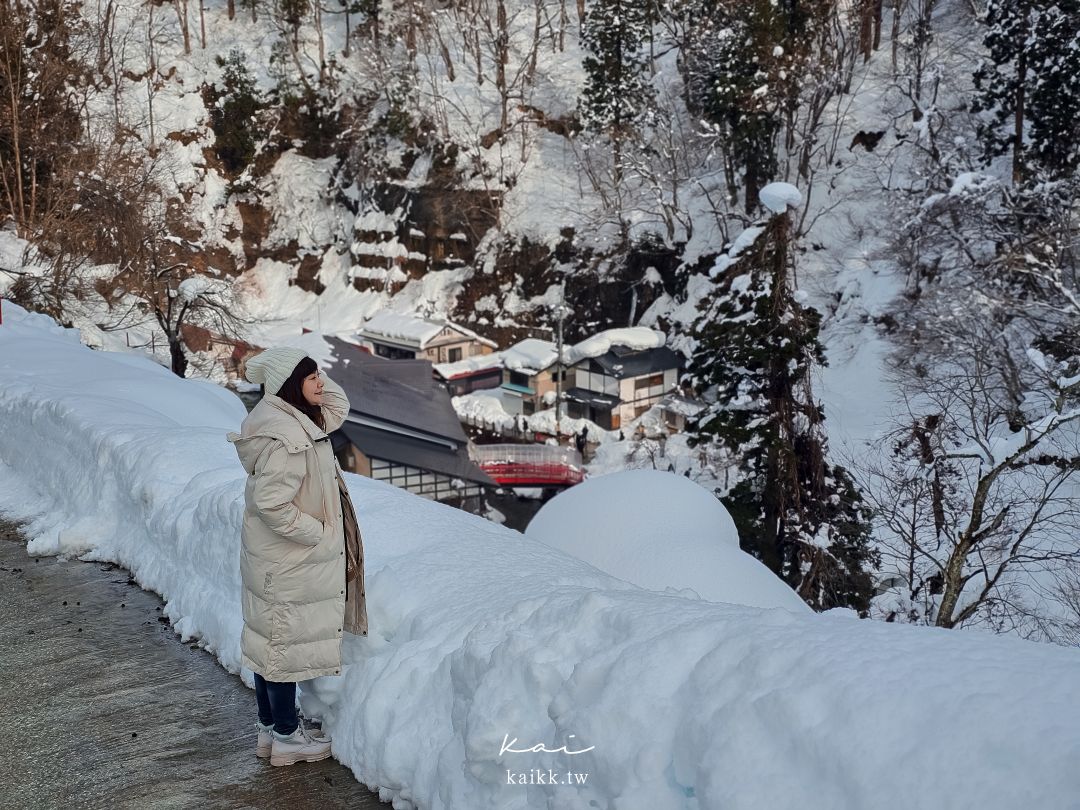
point(530, 461)
point(526, 454)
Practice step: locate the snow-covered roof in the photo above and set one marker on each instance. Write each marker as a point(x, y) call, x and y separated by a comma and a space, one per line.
point(407, 329)
point(637, 338)
point(676, 403)
point(468, 365)
point(530, 355)
point(533, 355)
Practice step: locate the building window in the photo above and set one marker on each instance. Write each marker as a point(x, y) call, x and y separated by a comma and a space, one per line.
point(528, 407)
point(518, 378)
point(393, 353)
point(601, 383)
point(453, 355)
point(648, 382)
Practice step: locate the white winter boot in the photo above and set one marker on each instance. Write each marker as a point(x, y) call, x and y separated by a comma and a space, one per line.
point(300, 746)
point(264, 741)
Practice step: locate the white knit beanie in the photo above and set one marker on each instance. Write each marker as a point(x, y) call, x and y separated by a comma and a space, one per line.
point(273, 367)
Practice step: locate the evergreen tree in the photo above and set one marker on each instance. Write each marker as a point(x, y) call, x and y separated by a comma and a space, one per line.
point(232, 115)
point(617, 95)
point(617, 89)
point(737, 68)
point(756, 349)
point(1029, 86)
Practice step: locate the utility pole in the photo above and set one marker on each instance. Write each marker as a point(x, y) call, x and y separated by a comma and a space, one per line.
point(560, 312)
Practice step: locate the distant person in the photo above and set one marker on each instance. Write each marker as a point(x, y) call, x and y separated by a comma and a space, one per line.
point(581, 440)
point(301, 558)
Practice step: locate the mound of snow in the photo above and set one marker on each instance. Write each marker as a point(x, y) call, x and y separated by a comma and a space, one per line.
point(659, 530)
point(778, 197)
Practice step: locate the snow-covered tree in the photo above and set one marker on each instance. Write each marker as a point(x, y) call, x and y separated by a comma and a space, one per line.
point(617, 93)
point(1029, 85)
point(44, 48)
point(232, 115)
point(745, 66)
point(757, 347)
point(977, 488)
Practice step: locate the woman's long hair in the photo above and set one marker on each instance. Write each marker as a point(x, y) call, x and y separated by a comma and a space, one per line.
point(292, 391)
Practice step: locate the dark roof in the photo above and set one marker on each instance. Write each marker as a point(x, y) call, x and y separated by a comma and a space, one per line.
point(382, 444)
point(593, 398)
point(620, 363)
point(397, 392)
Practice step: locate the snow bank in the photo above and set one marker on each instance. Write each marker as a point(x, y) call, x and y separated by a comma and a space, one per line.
point(483, 406)
point(685, 540)
point(483, 640)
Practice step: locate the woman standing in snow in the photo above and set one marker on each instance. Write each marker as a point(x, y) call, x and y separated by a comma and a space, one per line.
point(301, 557)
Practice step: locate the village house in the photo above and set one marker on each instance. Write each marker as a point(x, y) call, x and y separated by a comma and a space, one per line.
point(471, 374)
point(524, 374)
point(404, 337)
point(529, 376)
point(677, 410)
point(402, 428)
point(617, 375)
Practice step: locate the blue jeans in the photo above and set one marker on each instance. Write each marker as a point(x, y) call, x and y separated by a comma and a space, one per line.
point(277, 704)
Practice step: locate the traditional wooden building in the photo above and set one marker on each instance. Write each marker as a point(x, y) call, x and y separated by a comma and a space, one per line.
point(617, 375)
point(404, 337)
point(402, 428)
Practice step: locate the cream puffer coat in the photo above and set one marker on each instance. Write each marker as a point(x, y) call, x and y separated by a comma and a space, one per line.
point(292, 556)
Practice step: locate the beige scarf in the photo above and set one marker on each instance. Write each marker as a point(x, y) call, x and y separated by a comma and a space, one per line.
point(355, 600)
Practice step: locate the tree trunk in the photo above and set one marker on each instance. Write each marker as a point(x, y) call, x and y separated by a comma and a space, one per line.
point(1019, 102)
point(866, 28)
point(895, 38)
point(877, 23)
point(232, 9)
point(176, 355)
point(953, 574)
point(322, 40)
point(150, 73)
point(182, 15)
point(502, 48)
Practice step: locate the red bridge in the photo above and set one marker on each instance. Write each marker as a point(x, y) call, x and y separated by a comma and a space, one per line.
point(530, 465)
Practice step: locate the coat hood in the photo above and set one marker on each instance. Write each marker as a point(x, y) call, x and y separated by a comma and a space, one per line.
point(273, 419)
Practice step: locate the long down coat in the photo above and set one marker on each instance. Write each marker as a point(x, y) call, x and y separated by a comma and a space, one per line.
point(292, 557)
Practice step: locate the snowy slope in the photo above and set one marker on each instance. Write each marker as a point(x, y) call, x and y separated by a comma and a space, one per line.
point(482, 640)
